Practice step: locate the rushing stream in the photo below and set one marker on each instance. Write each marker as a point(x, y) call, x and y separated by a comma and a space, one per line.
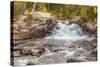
point(68, 31)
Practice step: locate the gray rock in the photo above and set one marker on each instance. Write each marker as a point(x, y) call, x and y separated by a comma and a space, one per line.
point(51, 58)
point(74, 60)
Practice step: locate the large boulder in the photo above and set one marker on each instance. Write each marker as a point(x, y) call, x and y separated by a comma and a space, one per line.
point(90, 27)
point(41, 16)
point(38, 26)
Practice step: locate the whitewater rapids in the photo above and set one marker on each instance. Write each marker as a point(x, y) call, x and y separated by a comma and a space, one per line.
point(66, 31)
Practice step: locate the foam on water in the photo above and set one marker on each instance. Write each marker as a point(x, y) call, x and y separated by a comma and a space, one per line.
point(68, 31)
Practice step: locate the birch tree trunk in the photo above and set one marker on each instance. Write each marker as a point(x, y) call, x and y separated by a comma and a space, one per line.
point(34, 7)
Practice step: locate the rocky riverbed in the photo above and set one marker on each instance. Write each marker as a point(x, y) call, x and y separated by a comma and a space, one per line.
point(43, 51)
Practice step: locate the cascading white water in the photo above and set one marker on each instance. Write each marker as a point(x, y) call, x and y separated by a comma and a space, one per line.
point(68, 31)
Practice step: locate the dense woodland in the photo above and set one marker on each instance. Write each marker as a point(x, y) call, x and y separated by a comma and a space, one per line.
point(60, 11)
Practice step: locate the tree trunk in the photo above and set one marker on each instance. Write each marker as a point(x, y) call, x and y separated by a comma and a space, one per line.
point(34, 7)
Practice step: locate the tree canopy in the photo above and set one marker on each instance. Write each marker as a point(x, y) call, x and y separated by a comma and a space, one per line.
point(60, 11)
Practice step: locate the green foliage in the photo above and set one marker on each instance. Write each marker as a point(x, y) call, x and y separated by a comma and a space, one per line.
point(19, 8)
point(42, 7)
point(29, 5)
point(60, 11)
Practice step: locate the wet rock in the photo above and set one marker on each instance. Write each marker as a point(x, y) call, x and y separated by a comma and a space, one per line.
point(51, 58)
point(71, 48)
point(33, 51)
point(78, 53)
point(94, 44)
point(84, 44)
point(37, 52)
point(30, 63)
point(16, 54)
point(71, 60)
point(90, 27)
point(92, 53)
point(57, 48)
point(25, 51)
point(20, 61)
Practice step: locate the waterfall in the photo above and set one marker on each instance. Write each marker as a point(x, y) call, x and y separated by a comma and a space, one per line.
point(67, 31)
